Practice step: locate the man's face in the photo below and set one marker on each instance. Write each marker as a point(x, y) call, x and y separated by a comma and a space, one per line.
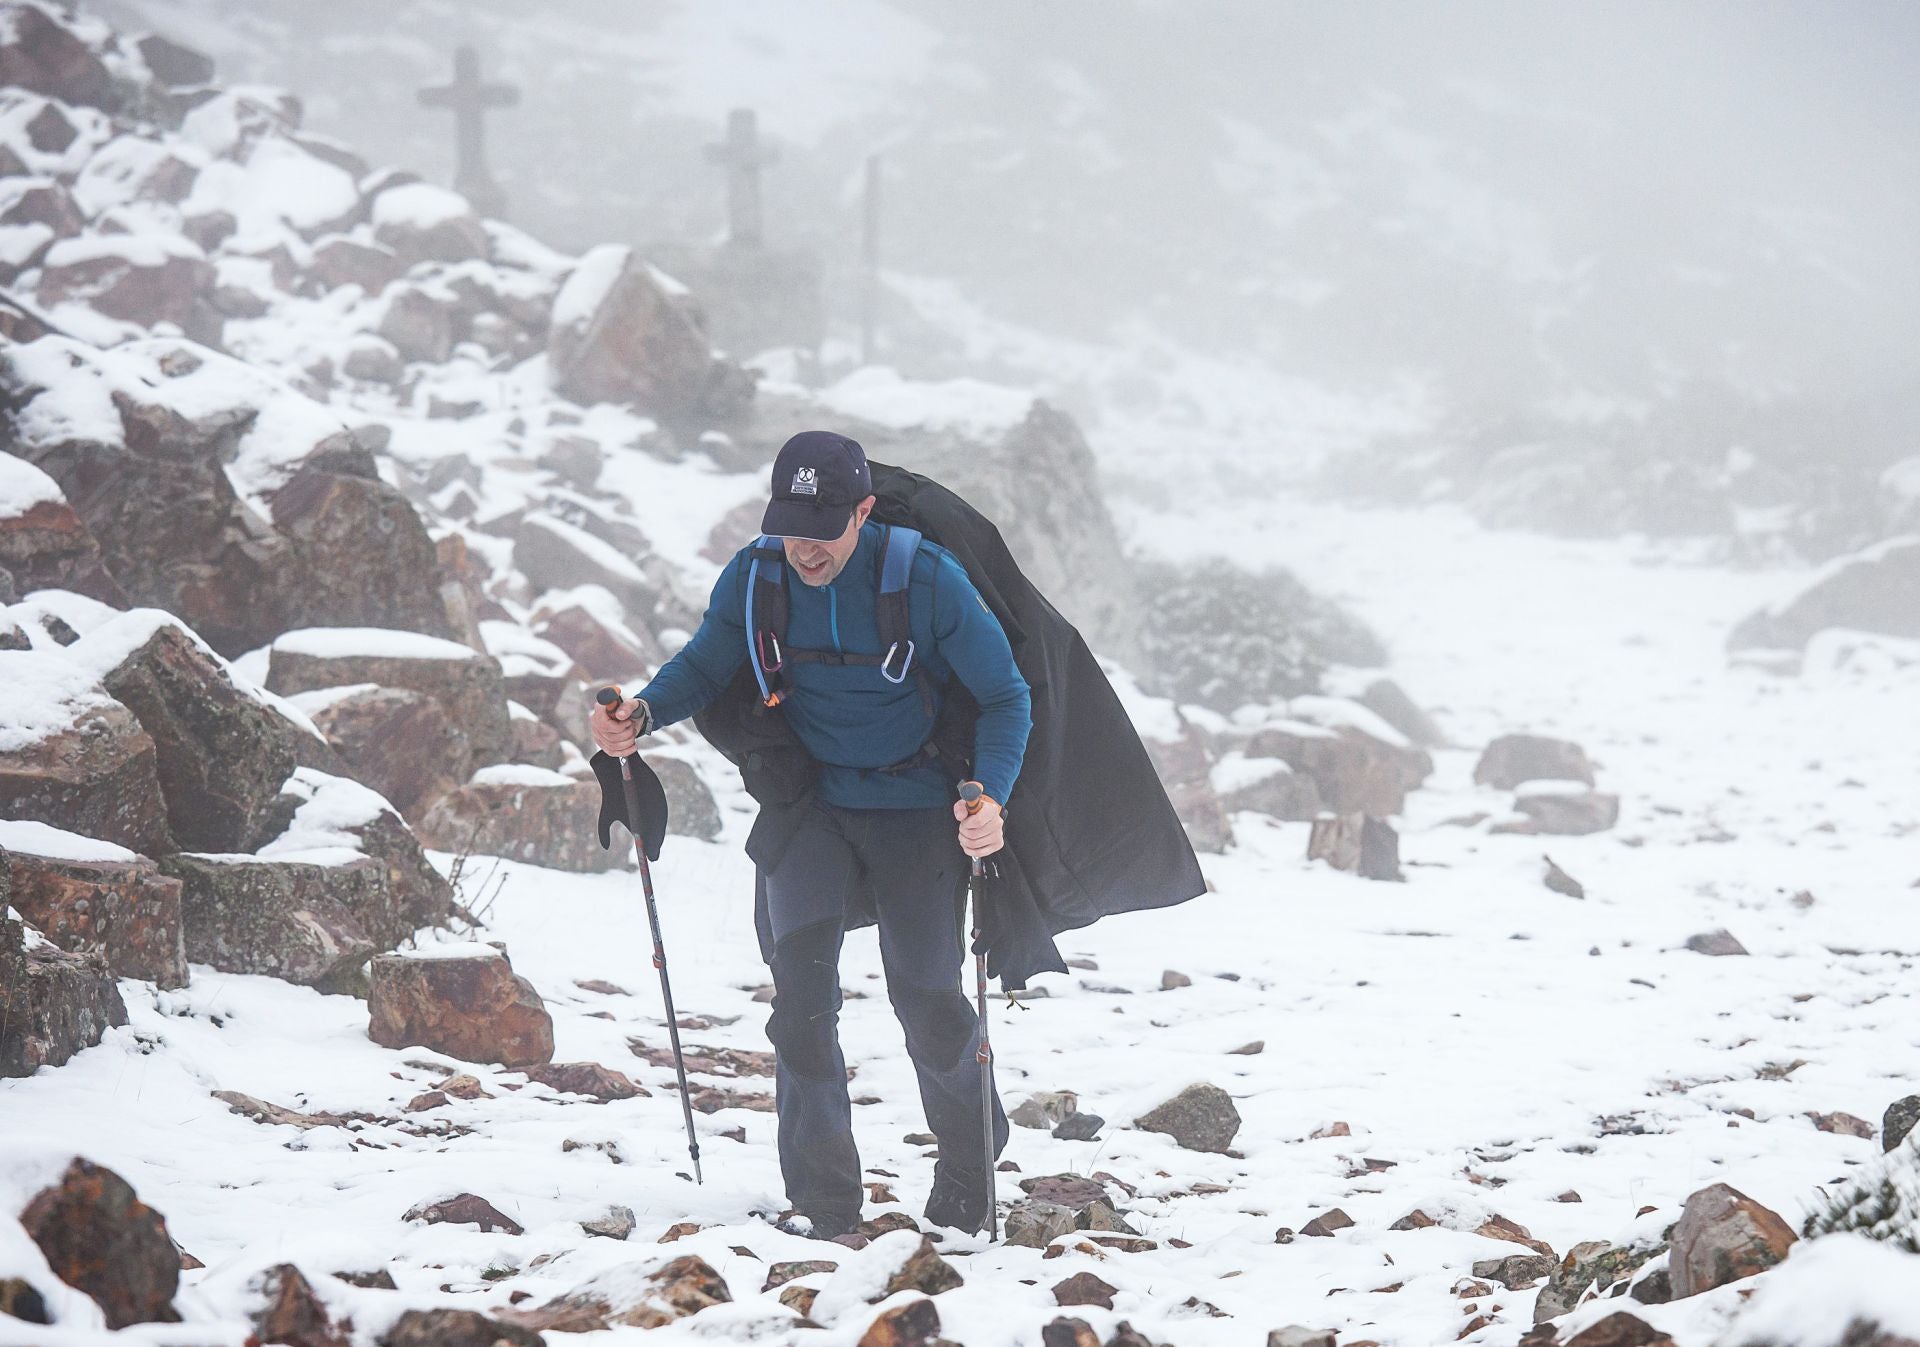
point(818, 563)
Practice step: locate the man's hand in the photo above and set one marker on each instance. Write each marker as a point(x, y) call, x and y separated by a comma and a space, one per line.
point(616, 727)
point(983, 832)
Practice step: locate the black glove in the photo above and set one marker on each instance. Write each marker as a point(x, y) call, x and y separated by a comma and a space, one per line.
point(613, 801)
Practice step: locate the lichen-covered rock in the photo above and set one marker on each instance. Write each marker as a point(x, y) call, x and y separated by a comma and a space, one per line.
point(98, 1236)
point(463, 1000)
point(1722, 1236)
point(465, 682)
point(52, 1004)
point(1593, 1263)
point(220, 752)
point(399, 742)
point(1200, 1118)
point(93, 898)
point(586, 1078)
point(1034, 1224)
point(527, 814)
point(368, 561)
point(80, 762)
point(294, 920)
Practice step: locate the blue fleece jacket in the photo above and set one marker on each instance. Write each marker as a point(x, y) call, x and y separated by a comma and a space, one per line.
point(849, 717)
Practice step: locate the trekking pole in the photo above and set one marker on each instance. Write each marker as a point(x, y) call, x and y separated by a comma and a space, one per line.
point(610, 697)
point(970, 792)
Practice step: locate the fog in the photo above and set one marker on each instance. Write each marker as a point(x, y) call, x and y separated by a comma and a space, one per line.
point(1697, 216)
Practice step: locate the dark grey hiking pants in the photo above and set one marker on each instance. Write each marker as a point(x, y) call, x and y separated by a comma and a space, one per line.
point(914, 875)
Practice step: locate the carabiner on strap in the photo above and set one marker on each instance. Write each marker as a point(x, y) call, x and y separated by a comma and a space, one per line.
point(906, 664)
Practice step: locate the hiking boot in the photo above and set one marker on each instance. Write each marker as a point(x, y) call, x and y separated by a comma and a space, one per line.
point(959, 1199)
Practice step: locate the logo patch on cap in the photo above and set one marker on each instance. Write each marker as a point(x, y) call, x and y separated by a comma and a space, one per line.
point(806, 483)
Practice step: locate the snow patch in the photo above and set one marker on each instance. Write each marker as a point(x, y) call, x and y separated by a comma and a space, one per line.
point(369, 642)
point(39, 839)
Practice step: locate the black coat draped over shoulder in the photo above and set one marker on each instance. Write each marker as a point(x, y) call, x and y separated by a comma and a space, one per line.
point(1090, 831)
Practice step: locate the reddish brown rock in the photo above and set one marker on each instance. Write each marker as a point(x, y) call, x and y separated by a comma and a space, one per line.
point(457, 1328)
point(1356, 843)
point(1722, 1236)
point(913, 1324)
point(339, 260)
point(924, 1271)
point(1872, 590)
point(1620, 1330)
point(588, 1078)
point(527, 814)
point(141, 281)
point(464, 682)
point(52, 1004)
point(101, 1238)
point(1083, 1288)
point(126, 911)
point(1355, 772)
point(1278, 792)
point(1514, 758)
point(779, 1274)
point(221, 754)
point(676, 1290)
point(419, 325)
point(173, 64)
point(467, 1003)
point(601, 647)
point(95, 776)
point(423, 223)
point(40, 54)
point(621, 332)
point(535, 743)
point(1844, 1124)
point(400, 742)
point(289, 919)
point(47, 202)
point(366, 558)
point(1067, 1332)
point(1327, 1222)
point(466, 1209)
point(46, 546)
point(293, 1315)
point(171, 528)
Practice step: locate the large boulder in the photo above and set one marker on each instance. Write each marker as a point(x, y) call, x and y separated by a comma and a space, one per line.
point(150, 483)
point(463, 681)
point(92, 897)
point(621, 331)
point(1359, 764)
point(220, 751)
point(556, 555)
point(37, 52)
point(1722, 1236)
point(52, 1004)
point(1515, 758)
point(400, 742)
point(524, 813)
point(589, 624)
point(1265, 786)
point(424, 223)
point(293, 920)
point(76, 759)
point(99, 1237)
point(691, 810)
point(1566, 808)
point(43, 543)
point(463, 1000)
point(146, 279)
point(1875, 590)
point(330, 817)
point(366, 555)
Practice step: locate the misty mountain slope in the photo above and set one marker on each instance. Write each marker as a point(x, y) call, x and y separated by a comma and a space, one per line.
point(1610, 251)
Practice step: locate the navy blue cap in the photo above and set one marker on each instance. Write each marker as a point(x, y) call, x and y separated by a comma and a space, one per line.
point(818, 479)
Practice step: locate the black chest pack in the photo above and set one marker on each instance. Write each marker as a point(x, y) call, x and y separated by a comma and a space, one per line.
point(768, 606)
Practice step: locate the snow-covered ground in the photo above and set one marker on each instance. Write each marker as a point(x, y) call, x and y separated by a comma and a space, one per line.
point(1498, 1043)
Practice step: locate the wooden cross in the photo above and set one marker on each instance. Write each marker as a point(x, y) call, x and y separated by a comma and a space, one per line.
point(743, 158)
point(470, 98)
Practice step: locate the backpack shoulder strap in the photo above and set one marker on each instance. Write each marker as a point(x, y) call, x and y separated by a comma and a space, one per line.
point(895, 621)
point(766, 617)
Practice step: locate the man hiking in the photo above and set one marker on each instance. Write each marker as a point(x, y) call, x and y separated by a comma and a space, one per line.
point(859, 660)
